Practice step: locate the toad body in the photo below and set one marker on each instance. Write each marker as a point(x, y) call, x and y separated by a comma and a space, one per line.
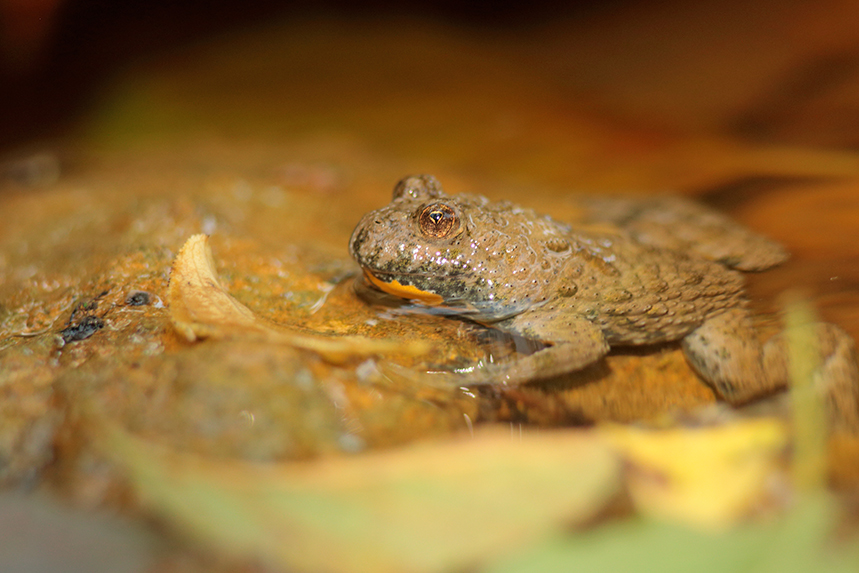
point(658, 272)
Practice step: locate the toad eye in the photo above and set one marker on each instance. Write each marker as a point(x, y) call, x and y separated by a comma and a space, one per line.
point(438, 221)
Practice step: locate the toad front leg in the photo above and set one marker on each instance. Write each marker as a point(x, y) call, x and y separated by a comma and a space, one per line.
point(574, 343)
point(726, 352)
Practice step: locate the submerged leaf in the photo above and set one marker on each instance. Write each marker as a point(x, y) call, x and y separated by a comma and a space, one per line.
point(201, 308)
point(429, 507)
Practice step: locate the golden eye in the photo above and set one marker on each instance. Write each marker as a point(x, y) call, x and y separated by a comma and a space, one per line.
point(438, 221)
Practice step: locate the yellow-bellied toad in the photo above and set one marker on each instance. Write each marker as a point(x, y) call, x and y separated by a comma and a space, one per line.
point(580, 291)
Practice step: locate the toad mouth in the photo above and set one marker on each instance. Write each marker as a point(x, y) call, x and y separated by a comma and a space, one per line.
point(409, 292)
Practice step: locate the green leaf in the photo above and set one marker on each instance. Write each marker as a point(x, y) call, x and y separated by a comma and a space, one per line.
point(797, 542)
point(429, 507)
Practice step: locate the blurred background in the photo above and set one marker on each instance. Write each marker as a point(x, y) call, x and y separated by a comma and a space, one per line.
point(783, 71)
point(57, 53)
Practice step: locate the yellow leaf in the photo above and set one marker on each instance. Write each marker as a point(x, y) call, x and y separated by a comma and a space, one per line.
point(708, 476)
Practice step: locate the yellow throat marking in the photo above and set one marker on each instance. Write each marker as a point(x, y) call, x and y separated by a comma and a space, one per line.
point(405, 291)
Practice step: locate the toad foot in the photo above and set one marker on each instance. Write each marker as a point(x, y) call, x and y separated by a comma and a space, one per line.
point(725, 352)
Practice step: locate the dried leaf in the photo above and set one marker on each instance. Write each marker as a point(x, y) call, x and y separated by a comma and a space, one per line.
point(201, 308)
point(429, 507)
